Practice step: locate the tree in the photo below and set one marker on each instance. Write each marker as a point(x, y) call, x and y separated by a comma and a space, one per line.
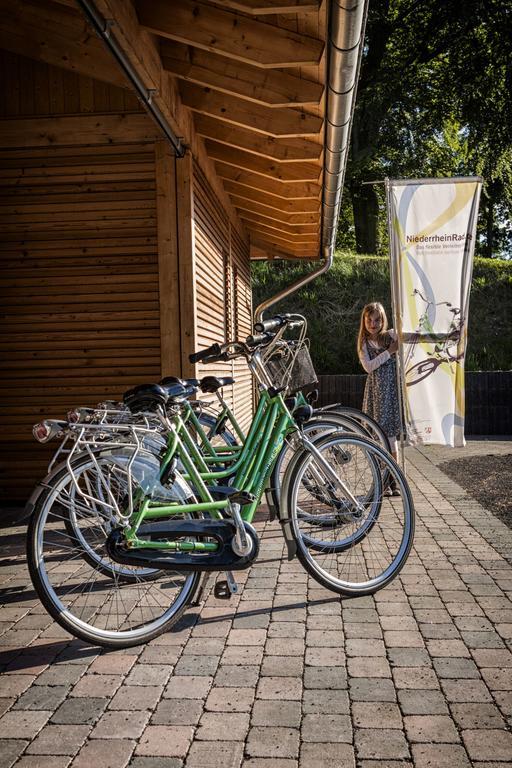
point(433, 100)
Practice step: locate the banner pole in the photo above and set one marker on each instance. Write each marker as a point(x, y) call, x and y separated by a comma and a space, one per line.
point(397, 322)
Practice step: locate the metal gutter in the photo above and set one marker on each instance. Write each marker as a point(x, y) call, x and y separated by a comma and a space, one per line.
point(104, 28)
point(346, 27)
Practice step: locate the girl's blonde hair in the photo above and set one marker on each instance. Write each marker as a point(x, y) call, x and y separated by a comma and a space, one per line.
point(369, 309)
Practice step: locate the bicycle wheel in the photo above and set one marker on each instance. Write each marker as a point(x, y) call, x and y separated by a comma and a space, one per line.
point(90, 596)
point(372, 427)
point(320, 423)
point(362, 538)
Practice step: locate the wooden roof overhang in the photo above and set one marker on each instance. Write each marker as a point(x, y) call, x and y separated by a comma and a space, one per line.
point(242, 82)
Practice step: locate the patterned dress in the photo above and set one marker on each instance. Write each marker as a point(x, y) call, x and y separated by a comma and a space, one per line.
point(380, 393)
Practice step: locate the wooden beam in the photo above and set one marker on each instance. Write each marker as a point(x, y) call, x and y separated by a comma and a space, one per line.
point(59, 36)
point(77, 130)
point(266, 7)
point(287, 191)
point(224, 32)
point(275, 214)
point(278, 251)
point(270, 87)
point(284, 227)
point(283, 237)
point(168, 264)
point(273, 122)
point(283, 150)
point(286, 172)
point(142, 52)
point(279, 203)
point(187, 269)
point(261, 251)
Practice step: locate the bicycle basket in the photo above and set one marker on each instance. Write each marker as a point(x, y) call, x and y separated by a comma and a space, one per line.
point(293, 369)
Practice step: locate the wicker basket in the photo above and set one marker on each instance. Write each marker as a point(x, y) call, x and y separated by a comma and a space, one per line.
point(293, 370)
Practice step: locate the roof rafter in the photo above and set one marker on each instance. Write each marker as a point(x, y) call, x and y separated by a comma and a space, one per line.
point(265, 7)
point(288, 172)
point(270, 87)
point(289, 123)
point(225, 32)
point(250, 193)
point(285, 190)
point(283, 150)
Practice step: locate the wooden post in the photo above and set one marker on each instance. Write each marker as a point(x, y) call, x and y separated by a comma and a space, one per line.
point(187, 291)
point(168, 269)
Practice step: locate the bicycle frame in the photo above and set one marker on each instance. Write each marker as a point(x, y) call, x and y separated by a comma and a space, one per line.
point(251, 470)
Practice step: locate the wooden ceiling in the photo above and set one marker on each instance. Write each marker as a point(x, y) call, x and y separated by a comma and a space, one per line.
point(242, 81)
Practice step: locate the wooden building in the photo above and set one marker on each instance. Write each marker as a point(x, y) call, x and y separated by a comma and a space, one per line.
point(140, 173)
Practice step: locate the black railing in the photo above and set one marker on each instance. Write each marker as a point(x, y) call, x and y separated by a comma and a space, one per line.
point(488, 398)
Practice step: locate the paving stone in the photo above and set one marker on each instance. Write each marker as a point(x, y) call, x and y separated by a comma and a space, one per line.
point(415, 677)
point(370, 647)
point(94, 753)
point(398, 639)
point(456, 668)
point(134, 697)
point(422, 702)
point(59, 740)
point(165, 740)
point(156, 762)
point(237, 654)
point(468, 691)
point(318, 701)
point(285, 647)
point(269, 762)
point(440, 756)
point(276, 713)
point(288, 629)
point(41, 761)
point(325, 678)
point(447, 648)
point(409, 657)
point(489, 744)
point(373, 666)
point(282, 666)
point(431, 729)
point(149, 674)
point(324, 638)
point(371, 689)
point(14, 685)
point(329, 756)
point(367, 714)
point(188, 687)
point(498, 679)
point(97, 685)
point(26, 723)
point(475, 716)
point(120, 725)
point(272, 742)
point(79, 711)
point(215, 726)
point(380, 744)
point(42, 697)
point(61, 674)
point(9, 751)
point(114, 663)
point(364, 631)
point(239, 676)
point(286, 688)
point(206, 754)
point(330, 728)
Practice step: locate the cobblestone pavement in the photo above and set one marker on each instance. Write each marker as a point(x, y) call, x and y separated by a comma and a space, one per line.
point(285, 675)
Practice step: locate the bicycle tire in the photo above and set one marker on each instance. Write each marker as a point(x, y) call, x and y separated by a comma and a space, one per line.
point(370, 563)
point(75, 597)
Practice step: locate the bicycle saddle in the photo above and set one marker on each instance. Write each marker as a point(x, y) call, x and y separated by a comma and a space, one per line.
point(145, 397)
point(175, 380)
point(212, 383)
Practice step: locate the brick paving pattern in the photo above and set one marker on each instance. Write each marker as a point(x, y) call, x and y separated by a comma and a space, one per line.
point(285, 675)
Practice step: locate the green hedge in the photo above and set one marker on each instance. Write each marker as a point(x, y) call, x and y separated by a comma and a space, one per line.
point(332, 305)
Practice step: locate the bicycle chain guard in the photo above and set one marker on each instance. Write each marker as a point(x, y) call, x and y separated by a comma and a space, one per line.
point(222, 531)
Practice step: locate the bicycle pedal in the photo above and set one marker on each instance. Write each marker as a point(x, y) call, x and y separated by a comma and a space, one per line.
point(221, 590)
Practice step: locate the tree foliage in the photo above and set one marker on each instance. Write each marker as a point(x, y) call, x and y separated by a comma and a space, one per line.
point(332, 305)
point(433, 100)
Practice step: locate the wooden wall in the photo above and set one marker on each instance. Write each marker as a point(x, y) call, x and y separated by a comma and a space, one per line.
point(89, 259)
point(223, 293)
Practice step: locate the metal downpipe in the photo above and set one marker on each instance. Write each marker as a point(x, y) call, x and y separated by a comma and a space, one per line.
point(103, 28)
point(345, 43)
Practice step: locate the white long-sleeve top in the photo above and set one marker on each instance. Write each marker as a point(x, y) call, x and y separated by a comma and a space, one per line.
point(364, 356)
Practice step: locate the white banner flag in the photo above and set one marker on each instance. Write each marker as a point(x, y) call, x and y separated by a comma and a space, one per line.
point(432, 236)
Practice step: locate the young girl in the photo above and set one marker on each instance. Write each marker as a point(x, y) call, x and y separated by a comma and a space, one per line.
point(376, 347)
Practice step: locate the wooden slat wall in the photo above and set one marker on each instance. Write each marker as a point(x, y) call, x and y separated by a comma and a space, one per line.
point(34, 88)
point(79, 281)
point(223, 308)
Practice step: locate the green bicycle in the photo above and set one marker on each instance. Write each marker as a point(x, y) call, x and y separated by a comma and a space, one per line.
point(169, 519)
